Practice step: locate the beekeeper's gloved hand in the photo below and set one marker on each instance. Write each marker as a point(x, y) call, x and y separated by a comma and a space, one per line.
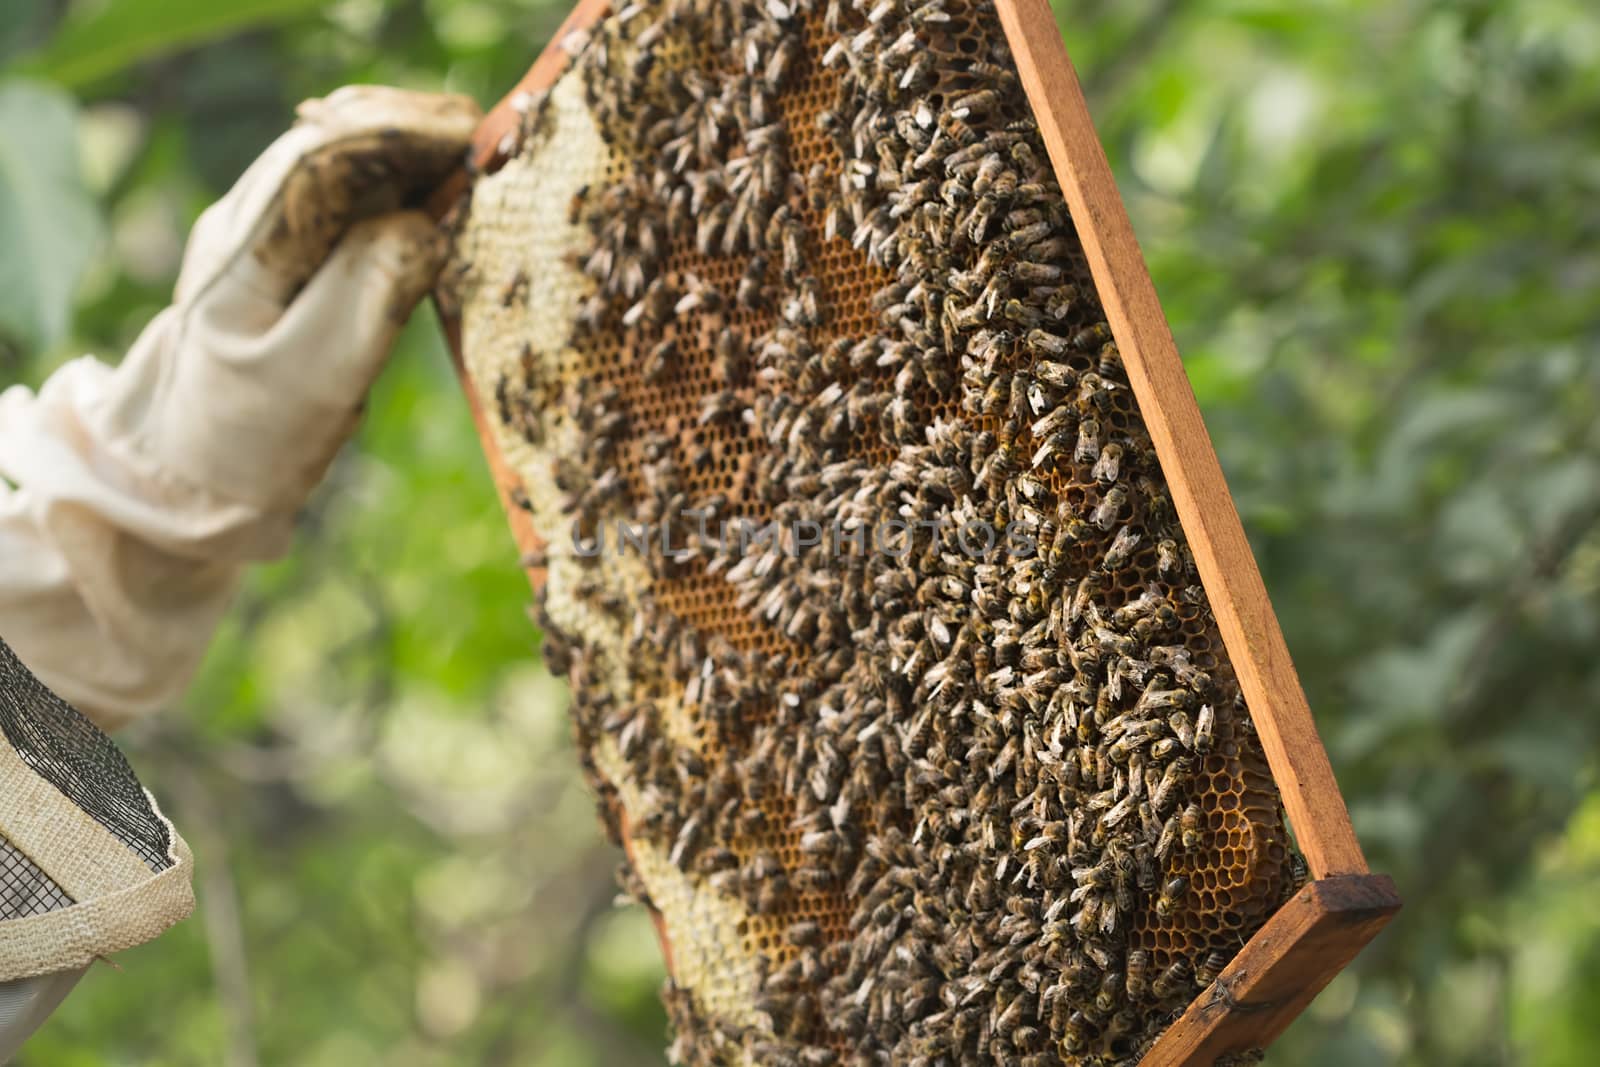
point(130, 499)
point(141, 491)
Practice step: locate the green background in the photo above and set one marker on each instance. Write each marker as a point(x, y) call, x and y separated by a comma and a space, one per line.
point(1376, 230)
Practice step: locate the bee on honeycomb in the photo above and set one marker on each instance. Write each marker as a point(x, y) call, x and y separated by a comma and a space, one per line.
point(907, 703)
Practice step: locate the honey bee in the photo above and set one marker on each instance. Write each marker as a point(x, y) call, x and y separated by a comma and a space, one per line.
point(654, 308)
point(731, 355)
point(814, 879)
point(979, 102)
point(1049, 448)
point(956, 130)
point(1111, 506)
point(804, 934)
point(699, 297)
point(1190, 825)
point(1121, 548)
point(1183, 728)
point(515, 290)
point(1076, 1036)
point(1137, 974)
point(779, 63)
point(1146, 871)
point(1163, 797)
point(709, 229)
point(750, 293)
point(980, 218)
point(1156, 698)
point(661, 360)
point(1109, 465)
point(720, 405)
point(1183, 670)
point(771, 893)
point(713, 860)
point(1047, 343)
point(1122, 1023)
point(1023, 156)
point(1031, 273)
point(805, 306)
point(1110, 365)
point(1086, 920)
point(1299, 871)
point(1100, 955)
point(1088, 446)
point(1091, 337)
point(1110, 993)
point(1204, 728)
point(1172, 894)
point(1250, 1057)
point(1173, 982)
point(1210, 967)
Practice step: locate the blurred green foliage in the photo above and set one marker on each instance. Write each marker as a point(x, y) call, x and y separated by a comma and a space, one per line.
point(1374, 227)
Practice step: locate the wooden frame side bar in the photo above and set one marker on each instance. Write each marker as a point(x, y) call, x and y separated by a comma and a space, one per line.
point(486, 156)
point(1280, 971)
point(1227, 568)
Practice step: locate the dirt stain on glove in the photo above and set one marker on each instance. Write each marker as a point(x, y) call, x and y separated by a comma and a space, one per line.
point(385, 150)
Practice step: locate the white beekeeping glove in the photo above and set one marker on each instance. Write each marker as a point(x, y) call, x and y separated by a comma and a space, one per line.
point(292, 290)
point(140, 492)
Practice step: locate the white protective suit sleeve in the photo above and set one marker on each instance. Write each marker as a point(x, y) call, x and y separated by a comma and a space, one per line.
point(131, 498)
point(27, 1003)
point(137, 493)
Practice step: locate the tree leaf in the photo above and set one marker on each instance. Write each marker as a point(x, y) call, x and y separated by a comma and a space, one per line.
point(121, 34)
point(49, 225)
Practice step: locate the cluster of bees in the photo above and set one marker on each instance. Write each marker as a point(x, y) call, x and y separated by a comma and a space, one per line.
point(967, 788)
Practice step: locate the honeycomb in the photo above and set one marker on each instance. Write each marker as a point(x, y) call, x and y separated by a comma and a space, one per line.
point(933, 804)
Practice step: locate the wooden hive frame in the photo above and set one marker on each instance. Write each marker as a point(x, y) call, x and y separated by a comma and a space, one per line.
point(1317, 932)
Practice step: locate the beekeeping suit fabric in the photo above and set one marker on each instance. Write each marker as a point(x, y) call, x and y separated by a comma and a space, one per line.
point(27, 1002)
point(138, 493)
point(132, 497)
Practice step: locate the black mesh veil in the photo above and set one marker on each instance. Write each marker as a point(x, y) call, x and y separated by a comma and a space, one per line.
point(72, 754)
point(25, 889)
point(88, 865)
